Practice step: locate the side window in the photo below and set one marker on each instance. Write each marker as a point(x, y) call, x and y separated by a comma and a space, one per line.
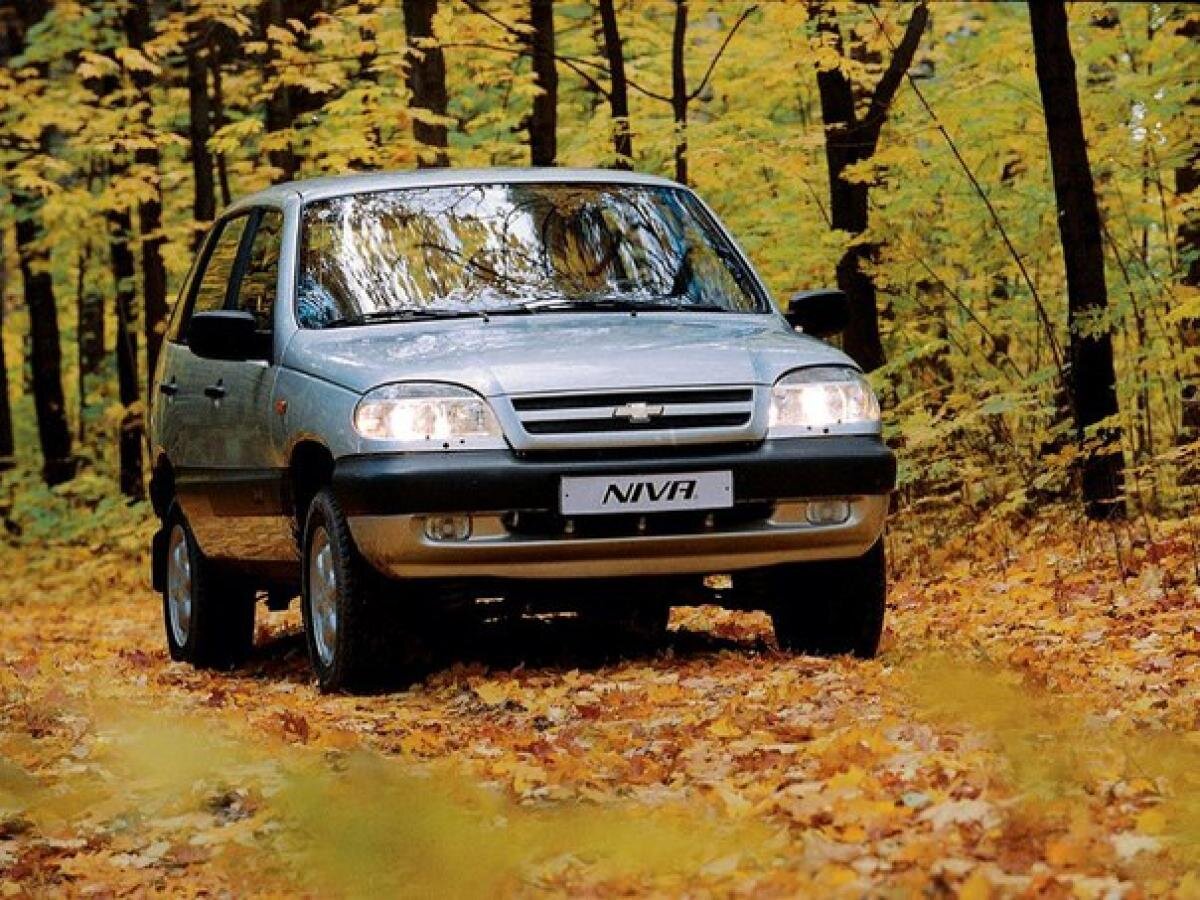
point(180, 310)
point(211, 283)
point(256, 294)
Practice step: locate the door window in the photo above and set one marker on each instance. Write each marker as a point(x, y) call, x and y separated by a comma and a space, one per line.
point(214, 281)
point(256, 292)
point(210, 285)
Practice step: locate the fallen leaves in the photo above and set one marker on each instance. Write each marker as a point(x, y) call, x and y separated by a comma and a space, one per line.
point(1030, 729)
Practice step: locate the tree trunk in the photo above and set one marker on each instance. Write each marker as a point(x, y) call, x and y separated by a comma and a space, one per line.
point(84, 337)
point(126, 350)
point(426, 82)
point(45, 352)
point(91, 331)
point(543, 121)
point(850, 139)
point(279, 113)
point(54, 434)
point(679, 97)
point(1187, 238)
point(848, 209)
point(204, 200)
point(618, 91)
point(368, 74)
point(287, 103)
point(7, 447)
point(1187, 180)
point(139, 31)
point(1092, 377)
point(218, 113)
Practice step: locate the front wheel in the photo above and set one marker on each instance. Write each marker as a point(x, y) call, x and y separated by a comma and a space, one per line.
point(356, 625)
point(208, 614)
point(831, 607)
point(336, 598)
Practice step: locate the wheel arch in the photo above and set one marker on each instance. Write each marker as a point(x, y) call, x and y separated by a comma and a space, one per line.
point(310, 468)
point(162, 485)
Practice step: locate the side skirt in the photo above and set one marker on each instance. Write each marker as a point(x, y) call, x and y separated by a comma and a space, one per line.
point(240, 516)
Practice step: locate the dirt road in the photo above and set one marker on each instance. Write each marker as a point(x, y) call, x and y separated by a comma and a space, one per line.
point(1031, 728)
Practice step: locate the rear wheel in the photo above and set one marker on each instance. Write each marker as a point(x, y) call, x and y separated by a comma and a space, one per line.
point(208, 614)
point(831, 607)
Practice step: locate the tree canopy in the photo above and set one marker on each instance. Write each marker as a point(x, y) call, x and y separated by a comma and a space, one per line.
point(125, 126)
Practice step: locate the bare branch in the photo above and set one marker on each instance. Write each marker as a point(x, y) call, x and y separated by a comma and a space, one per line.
point(746, 13)
point(1043, 315)
point(902, 56)
point(492, 17)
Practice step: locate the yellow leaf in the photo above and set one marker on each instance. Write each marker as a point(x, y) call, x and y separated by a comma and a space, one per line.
point(853, 834)
point(135, 61)
point(837, 876)
point(851, 778)
point(420, 742)
point(493, 693)
point(976, 887)
point(724, 728)
point(280, 35)
point(1152, 821)
point(1189, 888)
point(1063, 851)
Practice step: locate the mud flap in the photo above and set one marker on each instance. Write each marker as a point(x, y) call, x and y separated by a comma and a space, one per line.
point(158, 560)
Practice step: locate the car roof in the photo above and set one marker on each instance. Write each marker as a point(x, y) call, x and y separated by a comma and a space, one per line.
point(341, 185)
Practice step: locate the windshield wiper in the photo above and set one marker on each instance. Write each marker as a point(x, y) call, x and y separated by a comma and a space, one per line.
point(606, 305)
point(404, 315)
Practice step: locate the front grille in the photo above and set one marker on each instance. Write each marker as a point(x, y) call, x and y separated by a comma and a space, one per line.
point(581, 426)
point(679, 409)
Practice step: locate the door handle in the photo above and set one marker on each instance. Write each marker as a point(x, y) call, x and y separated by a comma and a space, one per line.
point(170, 388)
point(215, 391)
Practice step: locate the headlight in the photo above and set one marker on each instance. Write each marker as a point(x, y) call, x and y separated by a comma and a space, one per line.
point(437, 415)
point(820, 399)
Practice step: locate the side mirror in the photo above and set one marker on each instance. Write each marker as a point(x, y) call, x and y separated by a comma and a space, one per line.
point(227, 334)
point(820, 313)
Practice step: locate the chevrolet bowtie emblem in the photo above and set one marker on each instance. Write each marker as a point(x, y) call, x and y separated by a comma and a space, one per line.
point(637, 413)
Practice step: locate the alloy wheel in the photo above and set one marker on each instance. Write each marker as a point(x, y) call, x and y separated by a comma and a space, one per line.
point(323, 595)
point(179, 586)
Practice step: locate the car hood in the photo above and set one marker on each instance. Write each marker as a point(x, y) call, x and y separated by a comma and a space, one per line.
point(562, 352)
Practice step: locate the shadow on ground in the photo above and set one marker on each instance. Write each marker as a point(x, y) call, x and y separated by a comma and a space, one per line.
point(555, 643)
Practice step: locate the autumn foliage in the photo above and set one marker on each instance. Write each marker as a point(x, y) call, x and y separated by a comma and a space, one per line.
point(122, 137)
point(1031, 727)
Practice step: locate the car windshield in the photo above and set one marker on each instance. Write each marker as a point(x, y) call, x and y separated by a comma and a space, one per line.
point(479, 249)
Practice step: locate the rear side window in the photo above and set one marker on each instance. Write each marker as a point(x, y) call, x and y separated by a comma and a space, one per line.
point(214, 280)
point(256, 293)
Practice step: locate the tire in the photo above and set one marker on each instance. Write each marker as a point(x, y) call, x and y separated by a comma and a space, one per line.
point(208, 614)
point(339, 599)
point(830, 608)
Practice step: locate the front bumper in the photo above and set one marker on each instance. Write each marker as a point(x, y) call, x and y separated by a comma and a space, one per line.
point(387, 499)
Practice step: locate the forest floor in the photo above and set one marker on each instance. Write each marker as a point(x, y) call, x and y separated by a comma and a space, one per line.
point(1032, 727)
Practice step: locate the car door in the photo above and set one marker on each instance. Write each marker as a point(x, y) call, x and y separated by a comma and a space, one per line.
point(247, 470)
point(185, 431)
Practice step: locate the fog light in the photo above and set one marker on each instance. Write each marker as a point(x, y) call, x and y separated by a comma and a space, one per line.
point(448, 528)
point(827, 512)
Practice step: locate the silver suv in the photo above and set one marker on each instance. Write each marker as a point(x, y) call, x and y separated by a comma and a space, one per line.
point(406, 395)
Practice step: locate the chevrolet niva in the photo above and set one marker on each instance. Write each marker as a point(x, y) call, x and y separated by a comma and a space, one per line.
point(402, 394)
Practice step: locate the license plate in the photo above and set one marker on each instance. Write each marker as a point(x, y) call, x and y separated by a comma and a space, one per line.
point(646, 493)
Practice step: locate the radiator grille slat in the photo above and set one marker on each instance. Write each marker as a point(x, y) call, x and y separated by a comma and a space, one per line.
point(618, 398)
point(591, 426)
